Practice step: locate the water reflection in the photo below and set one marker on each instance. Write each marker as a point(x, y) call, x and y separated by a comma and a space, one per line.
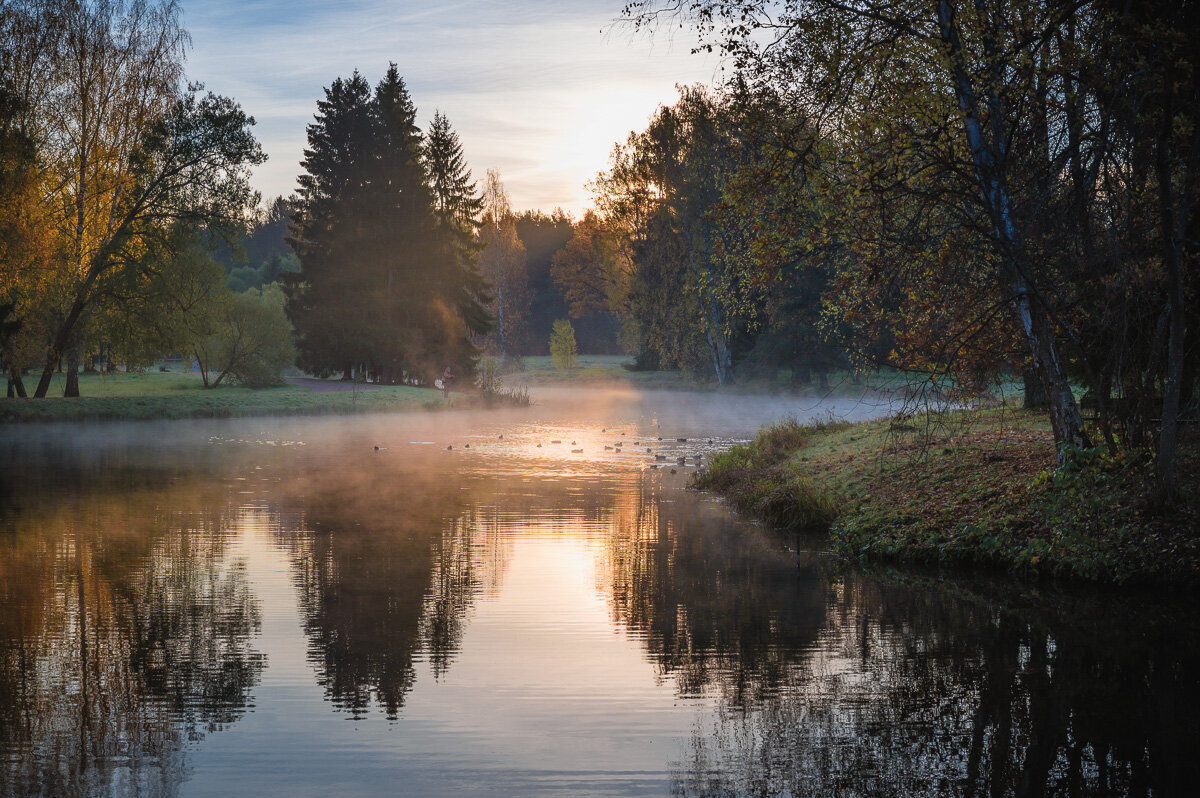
point(124, 634)
point(916, 689)
point(719, 605)
point(387, 568)
point(527, 620)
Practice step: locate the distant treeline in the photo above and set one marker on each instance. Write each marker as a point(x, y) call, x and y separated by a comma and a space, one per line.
point(262, 255)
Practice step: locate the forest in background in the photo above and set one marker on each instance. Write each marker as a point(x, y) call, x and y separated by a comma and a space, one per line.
point(964, 192)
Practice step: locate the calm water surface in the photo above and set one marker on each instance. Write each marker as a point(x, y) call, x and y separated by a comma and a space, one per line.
point(275, 607)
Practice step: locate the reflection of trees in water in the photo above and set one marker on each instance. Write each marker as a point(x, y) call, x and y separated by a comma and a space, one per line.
point(467, 558)
point(387, 570)
point(393, 559)
point(718, 604)
point(915, 691)
point(124, 632)
point(195, 616)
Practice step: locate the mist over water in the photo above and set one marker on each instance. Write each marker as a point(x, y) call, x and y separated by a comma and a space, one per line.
point(278, 607)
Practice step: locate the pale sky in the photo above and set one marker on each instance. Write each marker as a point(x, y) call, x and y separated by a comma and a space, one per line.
point(537, 90)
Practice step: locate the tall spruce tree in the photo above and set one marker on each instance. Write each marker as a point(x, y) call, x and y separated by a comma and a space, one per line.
point(325, 299)
point(400, 244)
point(388, 287)
point(457, 206)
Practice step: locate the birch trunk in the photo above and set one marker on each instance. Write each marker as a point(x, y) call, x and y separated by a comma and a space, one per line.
point(988, 160)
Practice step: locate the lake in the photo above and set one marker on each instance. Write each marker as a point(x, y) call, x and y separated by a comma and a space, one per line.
point(278, 607)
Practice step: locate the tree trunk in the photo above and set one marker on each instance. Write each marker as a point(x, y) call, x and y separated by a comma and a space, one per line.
point(500, 313)
point(47, 374)
point(16, 384)
point(1035, 390)
point(1168, 436)
point(62, 340)
point(718, 344)
point(72, 387)
point(1065, 419)
point(988, 158)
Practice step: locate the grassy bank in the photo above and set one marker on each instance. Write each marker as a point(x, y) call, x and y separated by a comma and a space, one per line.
point(134, 397)
point(978, 489)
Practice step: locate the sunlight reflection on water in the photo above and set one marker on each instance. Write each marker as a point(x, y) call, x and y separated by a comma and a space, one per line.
point(278, 607)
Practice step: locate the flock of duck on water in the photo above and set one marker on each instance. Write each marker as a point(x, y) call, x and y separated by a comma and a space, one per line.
point(617, 447)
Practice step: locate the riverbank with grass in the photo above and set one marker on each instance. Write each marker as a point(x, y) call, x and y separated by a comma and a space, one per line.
point(175, 395)
point(978, 489)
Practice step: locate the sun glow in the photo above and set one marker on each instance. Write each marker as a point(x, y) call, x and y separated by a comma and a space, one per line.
point(540, 93)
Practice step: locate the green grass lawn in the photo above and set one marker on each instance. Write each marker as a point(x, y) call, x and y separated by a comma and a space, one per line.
point(980, 489)
point(154, 395)
point(121, 384)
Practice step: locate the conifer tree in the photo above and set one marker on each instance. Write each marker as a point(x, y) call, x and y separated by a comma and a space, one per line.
point(455, 197)
point(400, 245)
point(456, 210)
point(325, 297)
point(384, 231)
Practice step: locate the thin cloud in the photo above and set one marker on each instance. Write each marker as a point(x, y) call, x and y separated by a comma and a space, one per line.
point(539, 91)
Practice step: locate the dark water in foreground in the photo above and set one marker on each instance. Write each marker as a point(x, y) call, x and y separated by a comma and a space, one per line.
point(272, 607)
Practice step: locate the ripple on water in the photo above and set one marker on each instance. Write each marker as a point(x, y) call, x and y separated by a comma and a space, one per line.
point(275, 607)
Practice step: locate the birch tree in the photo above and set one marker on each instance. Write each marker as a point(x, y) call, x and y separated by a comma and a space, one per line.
point(503, 261)
point(127, 153)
